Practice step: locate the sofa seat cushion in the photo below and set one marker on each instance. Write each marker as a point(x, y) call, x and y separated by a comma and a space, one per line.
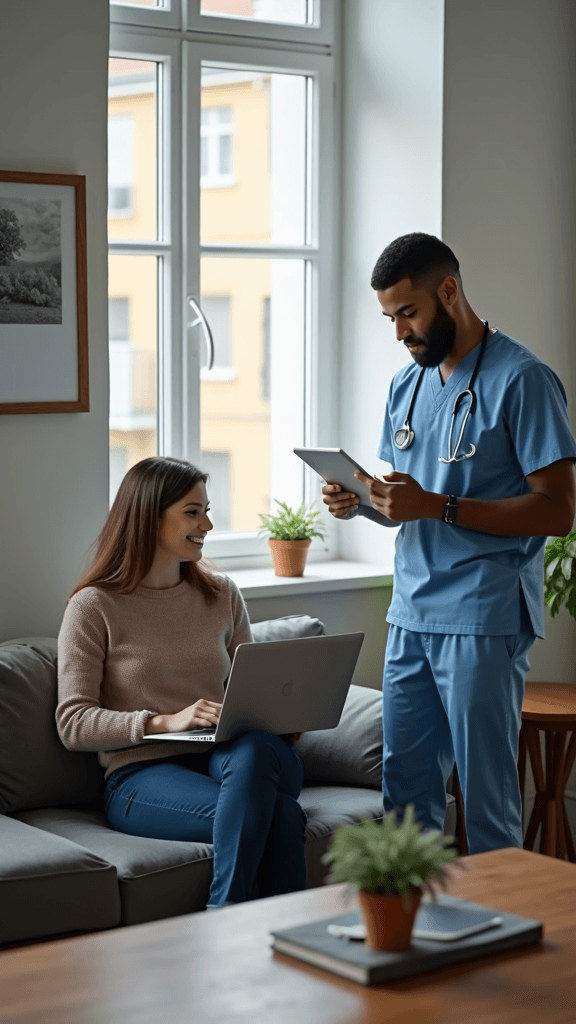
point(328, 808)
point(157, 877)
point(49, 885)
point(350, 754)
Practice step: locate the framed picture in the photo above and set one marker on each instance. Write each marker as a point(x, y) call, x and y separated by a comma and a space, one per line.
point(43, 293)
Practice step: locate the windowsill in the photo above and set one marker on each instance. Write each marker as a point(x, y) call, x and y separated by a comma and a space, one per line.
point(319, 578)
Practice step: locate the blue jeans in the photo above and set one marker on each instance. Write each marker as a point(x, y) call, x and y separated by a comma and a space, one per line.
point(241, 795)
point(451, 697)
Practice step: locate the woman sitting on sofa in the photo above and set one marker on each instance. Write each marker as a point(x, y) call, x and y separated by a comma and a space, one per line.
point(145, 647)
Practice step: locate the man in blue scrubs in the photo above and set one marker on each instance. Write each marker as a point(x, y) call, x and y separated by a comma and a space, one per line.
point(476, 509)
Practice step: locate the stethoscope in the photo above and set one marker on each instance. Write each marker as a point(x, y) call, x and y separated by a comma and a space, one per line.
point(404, 437)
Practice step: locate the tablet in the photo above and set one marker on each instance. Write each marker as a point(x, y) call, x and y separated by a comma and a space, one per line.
point(336, 467)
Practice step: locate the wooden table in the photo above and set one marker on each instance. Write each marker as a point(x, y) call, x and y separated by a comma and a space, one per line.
point(550, 707)
point(217, 967)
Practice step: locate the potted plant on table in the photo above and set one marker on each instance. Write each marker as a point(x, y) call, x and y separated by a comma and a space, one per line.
point(290, 534)
point(560, 574)
point(390, 864)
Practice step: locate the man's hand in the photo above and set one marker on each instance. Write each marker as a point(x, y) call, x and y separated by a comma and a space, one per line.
point(401, 498)
point(339, 502)
point(201, 715)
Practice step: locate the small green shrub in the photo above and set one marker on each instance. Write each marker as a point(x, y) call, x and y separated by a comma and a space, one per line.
point(290, 524)
point(389, 857)
point(560, 574)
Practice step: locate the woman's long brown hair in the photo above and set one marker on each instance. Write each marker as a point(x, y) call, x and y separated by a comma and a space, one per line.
point(126, 544)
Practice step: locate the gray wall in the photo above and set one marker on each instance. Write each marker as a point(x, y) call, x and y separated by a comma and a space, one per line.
point(508, 196)
point(346, 612)
point(54, 468)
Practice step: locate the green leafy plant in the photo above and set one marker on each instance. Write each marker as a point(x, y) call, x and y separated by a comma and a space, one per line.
point(560, 574)
point(290, 524)
point(390, 857)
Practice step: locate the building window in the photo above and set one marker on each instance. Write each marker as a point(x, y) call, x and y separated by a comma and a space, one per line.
point(266, 350)
point(120, 165)
point(119, 319)
point(216, 169)
point(216, 309)
point(217, 465)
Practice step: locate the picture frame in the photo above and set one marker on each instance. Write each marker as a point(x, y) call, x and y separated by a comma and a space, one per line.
point(43, 293)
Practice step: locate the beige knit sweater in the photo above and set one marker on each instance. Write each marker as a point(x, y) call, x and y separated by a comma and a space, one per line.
point(125, 657)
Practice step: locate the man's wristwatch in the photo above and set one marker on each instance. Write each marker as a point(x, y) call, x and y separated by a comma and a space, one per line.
point(451, 509)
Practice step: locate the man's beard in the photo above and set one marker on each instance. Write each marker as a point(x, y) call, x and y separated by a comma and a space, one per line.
point(439, 341)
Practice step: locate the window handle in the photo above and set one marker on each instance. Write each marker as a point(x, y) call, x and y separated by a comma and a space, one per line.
point(201, 319)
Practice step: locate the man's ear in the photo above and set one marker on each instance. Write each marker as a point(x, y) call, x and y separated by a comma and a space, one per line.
point(448, 291)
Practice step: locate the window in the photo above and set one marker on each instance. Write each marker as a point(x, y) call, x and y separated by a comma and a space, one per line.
point(292, 12)
point(216, 148)
point(217, 465)
point(230, 140)
point(266, 350)
point(216, 309)
point(120, 165)
point(119, 319)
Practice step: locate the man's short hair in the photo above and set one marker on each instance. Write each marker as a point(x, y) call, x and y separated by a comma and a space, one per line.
point(424, 259)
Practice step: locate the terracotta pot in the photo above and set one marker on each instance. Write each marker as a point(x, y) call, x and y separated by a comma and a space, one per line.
point(388, 921)
point(289, 556)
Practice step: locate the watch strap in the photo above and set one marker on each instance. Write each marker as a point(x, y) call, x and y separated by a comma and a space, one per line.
point(451, 509)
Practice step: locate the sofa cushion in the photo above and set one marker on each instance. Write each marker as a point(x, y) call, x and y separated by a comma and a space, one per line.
point(288, 627)
point(328, 808)
point(49, 885)
point(350, 754)
point(157, 877)
point(36, 770)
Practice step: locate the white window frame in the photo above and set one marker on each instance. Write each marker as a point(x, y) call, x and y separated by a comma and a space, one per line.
point(168, 16)
point(319, 32)
point(180, 348)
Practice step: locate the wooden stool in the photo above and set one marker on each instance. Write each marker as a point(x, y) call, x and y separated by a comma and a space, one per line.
point(550, 707)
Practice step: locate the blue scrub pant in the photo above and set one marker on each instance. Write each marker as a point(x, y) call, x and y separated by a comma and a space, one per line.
point(241, 795)
point(451, 697)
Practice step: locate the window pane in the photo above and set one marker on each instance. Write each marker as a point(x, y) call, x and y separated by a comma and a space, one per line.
point(254, 173)
point(164, 4)
point(254, 415)
point(290, 12)
point(119, 319)
point(132, 149)
point(217, 465)
point(216, 309)
point(133, 304)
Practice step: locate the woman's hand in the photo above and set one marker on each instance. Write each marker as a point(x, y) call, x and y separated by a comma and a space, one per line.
point(201, 715)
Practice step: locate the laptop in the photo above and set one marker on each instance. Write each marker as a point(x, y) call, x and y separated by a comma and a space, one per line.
point(282, 686)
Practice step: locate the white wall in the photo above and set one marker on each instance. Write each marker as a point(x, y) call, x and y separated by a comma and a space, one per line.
point(509, 195)
point(54, 468)
point(391, 184)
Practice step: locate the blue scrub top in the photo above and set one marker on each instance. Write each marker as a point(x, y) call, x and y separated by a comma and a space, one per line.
point(448, 579)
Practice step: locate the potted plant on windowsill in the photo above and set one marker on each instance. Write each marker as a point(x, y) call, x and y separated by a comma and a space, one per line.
point(560, 574)
point(390, 864)
point(290, 534)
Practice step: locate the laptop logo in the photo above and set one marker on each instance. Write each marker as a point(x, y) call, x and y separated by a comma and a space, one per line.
point(287, 688)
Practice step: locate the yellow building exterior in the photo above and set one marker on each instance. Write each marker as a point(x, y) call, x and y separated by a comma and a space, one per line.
point(234, 207)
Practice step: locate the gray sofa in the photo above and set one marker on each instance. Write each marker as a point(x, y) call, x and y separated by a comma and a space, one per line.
point(62, 869)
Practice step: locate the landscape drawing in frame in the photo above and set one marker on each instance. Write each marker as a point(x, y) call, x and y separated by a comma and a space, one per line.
point(43, 293)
